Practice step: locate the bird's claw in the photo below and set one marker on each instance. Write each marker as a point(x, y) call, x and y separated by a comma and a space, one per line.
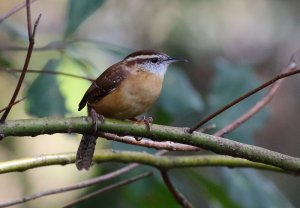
point(148, 121)
point(138, 138)
point(95, 118)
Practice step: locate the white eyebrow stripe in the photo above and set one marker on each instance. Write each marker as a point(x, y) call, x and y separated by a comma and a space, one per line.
point(142, 57)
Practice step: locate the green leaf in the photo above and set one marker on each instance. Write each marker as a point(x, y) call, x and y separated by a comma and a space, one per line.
point(250, 189)
point(217, 193)
point(199, 186)
point(43, 96)
point(162, 117)
point(178, 96)
point(78, 86)
point(232, 81)
point(78, 11)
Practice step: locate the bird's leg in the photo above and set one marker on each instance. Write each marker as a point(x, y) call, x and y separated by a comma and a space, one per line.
point(95, 118)
point(148, 121)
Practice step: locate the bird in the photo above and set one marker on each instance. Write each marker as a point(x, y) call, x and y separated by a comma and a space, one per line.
point(125, 90)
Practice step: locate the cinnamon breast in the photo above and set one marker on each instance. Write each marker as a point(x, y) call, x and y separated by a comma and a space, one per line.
point(132, 97)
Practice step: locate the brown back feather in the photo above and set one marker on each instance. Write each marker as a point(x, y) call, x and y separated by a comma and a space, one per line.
point(107, 82)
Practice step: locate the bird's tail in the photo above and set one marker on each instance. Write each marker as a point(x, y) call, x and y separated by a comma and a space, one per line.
point(85, 152)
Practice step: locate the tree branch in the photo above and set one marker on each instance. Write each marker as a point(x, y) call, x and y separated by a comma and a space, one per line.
point(167, 145)
point(83, 125)
point(14, 103)
point(76, 186)
point(31, 34)
point(180, 198)
point(14, 10)
point(259, 105)
point(292, 66)
point(161, 162)
point(72, 187)
point(108, 188)
point(10, 70)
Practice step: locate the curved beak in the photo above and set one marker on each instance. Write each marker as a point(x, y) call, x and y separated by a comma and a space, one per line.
point(172, 60)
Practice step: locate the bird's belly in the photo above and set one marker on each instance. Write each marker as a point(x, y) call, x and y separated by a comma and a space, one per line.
point(132, 98)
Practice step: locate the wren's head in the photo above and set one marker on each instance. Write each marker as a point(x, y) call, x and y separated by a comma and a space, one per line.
point(152, 61)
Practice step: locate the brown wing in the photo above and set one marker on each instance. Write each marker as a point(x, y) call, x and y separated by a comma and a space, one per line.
point(108, 81)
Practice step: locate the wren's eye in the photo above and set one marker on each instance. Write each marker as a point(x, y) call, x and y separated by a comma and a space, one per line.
point(154, 60)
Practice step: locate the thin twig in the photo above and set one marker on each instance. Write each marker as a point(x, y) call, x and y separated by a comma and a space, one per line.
point(76, 186)
point(16, 102)
point(177, 195)
point(171, 146)
point(14, 10)
point(61, 45)
point(27, 60)
point(258, 106)
point(46, 72)
point(229, 105)
point(56, 45)
point(34, 27)
point(108, 188)
point(29, 28)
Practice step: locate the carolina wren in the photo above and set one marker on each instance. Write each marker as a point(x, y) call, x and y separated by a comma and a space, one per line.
point(123, 91)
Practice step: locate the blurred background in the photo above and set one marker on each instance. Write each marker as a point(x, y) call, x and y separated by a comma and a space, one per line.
point(232, 46)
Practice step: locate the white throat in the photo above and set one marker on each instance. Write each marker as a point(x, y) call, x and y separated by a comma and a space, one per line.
point(159, 70)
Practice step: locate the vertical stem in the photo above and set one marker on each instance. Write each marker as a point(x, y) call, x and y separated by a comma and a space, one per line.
point(31, 34)
point(177, 195)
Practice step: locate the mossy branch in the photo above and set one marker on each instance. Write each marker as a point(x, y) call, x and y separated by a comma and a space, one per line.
point(34, 127)
point(161, 162)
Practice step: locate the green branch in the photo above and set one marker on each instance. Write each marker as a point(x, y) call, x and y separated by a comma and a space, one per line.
point(34, 127)
point(161, 162)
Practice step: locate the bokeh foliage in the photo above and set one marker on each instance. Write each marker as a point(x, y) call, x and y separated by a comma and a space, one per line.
point(180, 104)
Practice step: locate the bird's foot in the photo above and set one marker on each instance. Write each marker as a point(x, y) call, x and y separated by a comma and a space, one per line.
point(138, 138)
point(148, 121)
point(95, 119)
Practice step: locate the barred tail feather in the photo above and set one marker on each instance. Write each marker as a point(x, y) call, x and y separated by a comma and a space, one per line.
point(85, 152)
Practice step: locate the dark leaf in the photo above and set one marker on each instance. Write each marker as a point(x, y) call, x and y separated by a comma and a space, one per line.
point(250, 189)
point(202, 188)
point(179, 97)
point(43, 96)
point(78, 11)
point(147, 193)
point(232, 81)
